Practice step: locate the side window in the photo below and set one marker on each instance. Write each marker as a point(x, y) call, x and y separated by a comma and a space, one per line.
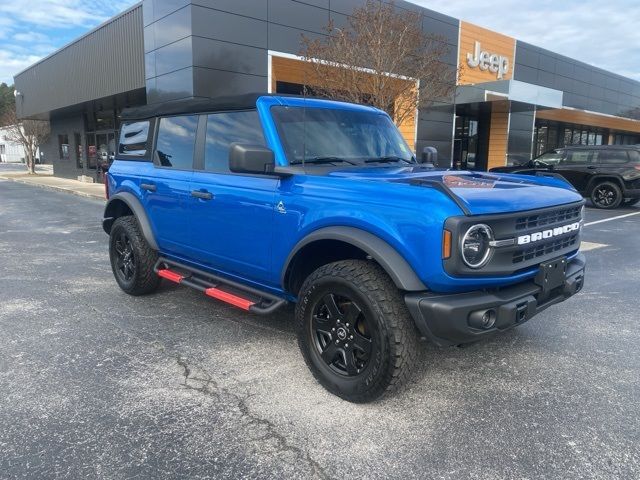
point(578, 157)
point(634, 155)
point(226, 128)
point(176, 141)
point(133, 139)
point(614, 157)
point(551, 158)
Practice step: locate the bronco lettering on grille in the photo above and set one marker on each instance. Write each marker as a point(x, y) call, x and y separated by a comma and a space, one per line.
point(544, 234)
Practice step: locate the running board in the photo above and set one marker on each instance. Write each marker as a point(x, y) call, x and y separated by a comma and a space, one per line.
point(228, 291)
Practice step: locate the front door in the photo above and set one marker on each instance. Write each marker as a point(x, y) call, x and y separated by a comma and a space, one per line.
point(577, 167)
point(232, 214)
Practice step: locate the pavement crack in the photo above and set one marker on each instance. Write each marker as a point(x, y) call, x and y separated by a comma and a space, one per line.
point(209, 386)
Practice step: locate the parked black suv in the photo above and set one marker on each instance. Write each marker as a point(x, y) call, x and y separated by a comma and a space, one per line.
point(608, 174)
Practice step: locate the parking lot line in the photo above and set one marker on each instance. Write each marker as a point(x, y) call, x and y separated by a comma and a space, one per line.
point(586, 246)
point(612, 218)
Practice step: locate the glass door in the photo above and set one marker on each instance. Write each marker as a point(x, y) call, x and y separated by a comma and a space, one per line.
point(465, 143)
point(92, 152)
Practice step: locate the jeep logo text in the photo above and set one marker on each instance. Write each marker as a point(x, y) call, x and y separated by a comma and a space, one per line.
point(488, 61)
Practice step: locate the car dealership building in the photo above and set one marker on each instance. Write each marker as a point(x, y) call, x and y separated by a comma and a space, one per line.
point(513, 101)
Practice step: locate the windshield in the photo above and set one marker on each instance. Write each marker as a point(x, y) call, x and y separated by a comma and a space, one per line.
point(321, 136)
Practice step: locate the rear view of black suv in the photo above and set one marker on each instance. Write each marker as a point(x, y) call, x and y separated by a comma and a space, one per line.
point(609, 175)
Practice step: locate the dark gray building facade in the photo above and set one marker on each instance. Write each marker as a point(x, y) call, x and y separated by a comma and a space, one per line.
point(162, 50)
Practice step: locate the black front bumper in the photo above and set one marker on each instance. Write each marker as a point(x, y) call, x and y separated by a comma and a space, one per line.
point(452, 319)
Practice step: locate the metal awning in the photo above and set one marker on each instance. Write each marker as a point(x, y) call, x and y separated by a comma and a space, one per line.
point(512, 90)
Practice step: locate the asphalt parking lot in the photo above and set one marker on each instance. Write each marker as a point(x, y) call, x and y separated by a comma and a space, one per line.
point(97, 384)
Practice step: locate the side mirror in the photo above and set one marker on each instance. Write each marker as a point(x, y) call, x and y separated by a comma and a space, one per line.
point(254, 159)
point(429, 155)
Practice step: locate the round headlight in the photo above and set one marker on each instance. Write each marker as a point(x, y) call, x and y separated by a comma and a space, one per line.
point(475, 246)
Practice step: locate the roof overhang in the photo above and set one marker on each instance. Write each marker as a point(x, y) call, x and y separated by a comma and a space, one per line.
point(511, 90)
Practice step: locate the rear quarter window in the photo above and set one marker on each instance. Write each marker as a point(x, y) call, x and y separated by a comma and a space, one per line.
point(613, 157)
point(135, 140)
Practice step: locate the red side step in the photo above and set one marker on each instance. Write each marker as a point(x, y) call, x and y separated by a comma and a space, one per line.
point(169, 275)
point(213, 292)
point(229, 298)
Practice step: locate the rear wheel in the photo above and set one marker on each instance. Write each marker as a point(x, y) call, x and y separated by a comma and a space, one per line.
point(354, 330)
point(132, 259)
point(630, 202)
point(606, 195)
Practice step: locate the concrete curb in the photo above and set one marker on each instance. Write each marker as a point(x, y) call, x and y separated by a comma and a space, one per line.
point(55, 188)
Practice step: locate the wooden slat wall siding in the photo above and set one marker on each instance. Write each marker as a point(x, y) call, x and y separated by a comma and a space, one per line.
point(298, 71)
point(491, 42)
point(591, 119)
point(498, 135)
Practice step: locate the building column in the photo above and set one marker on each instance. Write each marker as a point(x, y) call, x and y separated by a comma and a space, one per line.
point(498, 135)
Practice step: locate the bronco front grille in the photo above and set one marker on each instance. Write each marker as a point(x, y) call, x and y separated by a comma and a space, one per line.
point(548, 218)
point(544, 249)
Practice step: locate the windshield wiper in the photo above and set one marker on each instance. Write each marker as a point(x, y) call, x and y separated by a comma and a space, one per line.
point(387, 159)
point(323, 160)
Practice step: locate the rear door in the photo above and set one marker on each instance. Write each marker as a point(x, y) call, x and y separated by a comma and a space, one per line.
point(232, 213)
point(577, 167)
point(612, 160)
point(166, 193)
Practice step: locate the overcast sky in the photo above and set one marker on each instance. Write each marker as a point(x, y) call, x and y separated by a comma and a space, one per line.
point(606, 34)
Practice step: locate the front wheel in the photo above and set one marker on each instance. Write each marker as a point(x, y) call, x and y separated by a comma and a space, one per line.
point(354, 330)
point(606, 195)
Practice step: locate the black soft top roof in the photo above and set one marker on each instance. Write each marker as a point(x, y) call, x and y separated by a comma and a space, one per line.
point(193, 105)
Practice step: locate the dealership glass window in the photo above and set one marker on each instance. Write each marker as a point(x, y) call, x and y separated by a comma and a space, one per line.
point(226, 128)
point(63, 147)
point(133, 139)
point(549, 135)
point(626, 139)
point(176, 141)
point(78, 153)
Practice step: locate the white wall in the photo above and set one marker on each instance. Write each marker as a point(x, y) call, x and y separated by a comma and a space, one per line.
point(11, 152)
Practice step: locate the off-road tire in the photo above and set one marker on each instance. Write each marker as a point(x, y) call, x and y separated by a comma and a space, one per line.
point(143, 280)
point(630, 202)
point(598, 199)
point(384, 307)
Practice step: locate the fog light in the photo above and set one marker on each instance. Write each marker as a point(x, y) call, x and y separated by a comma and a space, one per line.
point(483, 319)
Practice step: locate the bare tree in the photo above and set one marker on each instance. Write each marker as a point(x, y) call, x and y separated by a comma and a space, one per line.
point(28, 133)
point(382, 58)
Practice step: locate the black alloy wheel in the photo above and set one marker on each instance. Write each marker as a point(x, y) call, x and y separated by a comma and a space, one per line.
point(124, 257)
point(606, 195)
point(132, 259)
point(341, 334)
point(354, 330)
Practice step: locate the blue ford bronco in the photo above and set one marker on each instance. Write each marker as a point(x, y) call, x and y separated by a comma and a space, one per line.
point(261, 200)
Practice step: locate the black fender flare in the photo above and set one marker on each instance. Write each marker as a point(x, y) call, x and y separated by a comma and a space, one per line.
point(604, 178)
point(384, 254)
point(138, 211)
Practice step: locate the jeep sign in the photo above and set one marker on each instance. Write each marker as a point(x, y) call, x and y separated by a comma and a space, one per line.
point(488, 61)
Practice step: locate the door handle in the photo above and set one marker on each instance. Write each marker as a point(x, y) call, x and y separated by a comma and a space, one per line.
point(591, 167)
point(203, 195)
point(150, 187)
